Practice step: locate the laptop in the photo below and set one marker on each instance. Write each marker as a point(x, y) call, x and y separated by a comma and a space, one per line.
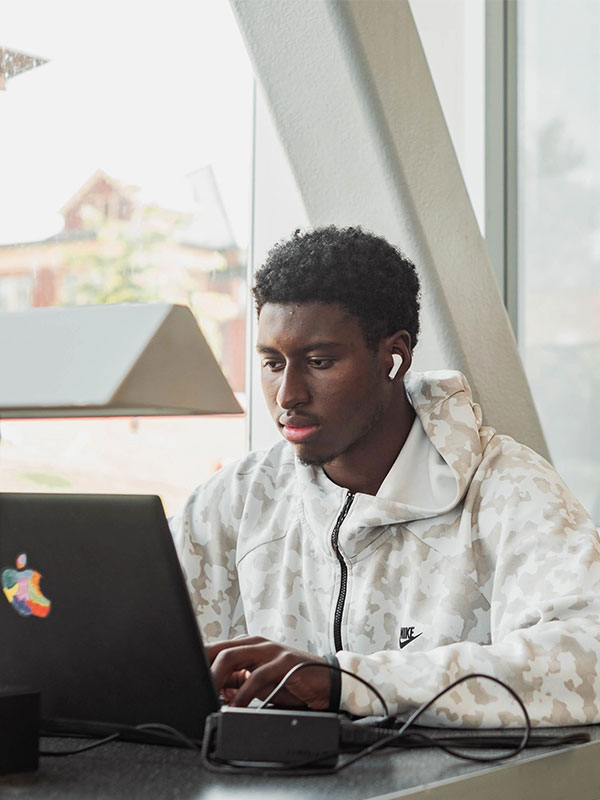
point(95, 614)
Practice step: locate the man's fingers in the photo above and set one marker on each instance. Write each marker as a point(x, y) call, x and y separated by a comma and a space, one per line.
point(213, 650)
point(248, 656)
point(237, 679)
point(233, 684)
point(254, 666)
point(263, 680)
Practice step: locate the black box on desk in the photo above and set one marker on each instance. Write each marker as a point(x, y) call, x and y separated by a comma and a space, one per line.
point(19, 730)
point(274, 735)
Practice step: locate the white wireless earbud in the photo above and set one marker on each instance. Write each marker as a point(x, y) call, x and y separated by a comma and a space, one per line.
point(397, 359)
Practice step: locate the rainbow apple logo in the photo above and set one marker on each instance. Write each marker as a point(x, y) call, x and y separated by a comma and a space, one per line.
point(22, 588)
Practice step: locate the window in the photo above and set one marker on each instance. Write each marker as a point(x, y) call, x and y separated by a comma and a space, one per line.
point(453, 38)
point(554, 299)
point(125, 177)
point(559, 227)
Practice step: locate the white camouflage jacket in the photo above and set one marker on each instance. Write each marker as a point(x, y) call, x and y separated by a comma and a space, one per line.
point(496, 570)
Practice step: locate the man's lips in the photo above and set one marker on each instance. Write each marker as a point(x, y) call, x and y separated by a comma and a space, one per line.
point(297, 430)
point(296, 435)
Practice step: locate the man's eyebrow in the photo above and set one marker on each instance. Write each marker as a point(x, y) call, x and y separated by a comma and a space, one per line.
point(263, 348)
point(323, 345)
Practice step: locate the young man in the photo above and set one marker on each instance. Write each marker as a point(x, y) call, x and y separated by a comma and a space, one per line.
point(388, 529)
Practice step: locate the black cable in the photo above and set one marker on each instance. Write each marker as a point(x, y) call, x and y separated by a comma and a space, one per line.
point(162, 728)
point(91, 746)
point(413, 718)
point(401, 737)
point(450, 750)
point(324, 665)
point(300, 768)
point(355, 736)
point(158, 727)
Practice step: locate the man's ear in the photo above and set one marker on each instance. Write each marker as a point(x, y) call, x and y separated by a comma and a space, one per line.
point(397, 354)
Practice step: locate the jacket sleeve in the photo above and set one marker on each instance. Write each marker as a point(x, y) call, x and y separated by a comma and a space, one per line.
point(205, 535)
point(542, 575)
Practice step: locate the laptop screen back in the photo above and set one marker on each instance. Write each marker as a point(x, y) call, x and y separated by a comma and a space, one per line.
point(95, 613)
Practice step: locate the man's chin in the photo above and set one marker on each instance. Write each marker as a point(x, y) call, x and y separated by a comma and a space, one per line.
point(308, 461)
point(314, 459)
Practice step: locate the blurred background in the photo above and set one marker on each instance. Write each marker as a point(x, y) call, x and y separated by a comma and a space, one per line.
point(128, 174)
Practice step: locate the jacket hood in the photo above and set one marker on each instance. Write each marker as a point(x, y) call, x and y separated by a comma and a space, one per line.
point(451, 420)
point(432, 471)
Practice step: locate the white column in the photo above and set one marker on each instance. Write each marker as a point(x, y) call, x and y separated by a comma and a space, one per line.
point(357, 113)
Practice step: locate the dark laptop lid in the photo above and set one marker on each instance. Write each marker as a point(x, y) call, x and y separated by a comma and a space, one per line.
point(99, 618)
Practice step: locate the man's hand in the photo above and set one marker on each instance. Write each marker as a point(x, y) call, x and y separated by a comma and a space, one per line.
point(251, 667)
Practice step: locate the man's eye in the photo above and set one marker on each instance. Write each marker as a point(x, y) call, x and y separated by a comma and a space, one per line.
point(321, 363)
point(273, 366)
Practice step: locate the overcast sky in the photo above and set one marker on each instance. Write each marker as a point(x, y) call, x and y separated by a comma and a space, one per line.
point(147, 91)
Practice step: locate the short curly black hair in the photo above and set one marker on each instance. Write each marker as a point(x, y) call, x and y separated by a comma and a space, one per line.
point(362, 272)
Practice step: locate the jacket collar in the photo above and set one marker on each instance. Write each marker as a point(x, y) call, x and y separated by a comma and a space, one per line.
point(447, 456)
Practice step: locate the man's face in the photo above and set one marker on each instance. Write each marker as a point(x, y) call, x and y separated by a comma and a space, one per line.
point(324, 387)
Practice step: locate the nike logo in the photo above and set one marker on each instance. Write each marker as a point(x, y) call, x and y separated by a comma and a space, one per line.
point(407, 635)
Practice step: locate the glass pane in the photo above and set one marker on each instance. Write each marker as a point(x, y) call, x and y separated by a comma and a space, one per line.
point(453, 38)
point(559, 242)
point(125, 177)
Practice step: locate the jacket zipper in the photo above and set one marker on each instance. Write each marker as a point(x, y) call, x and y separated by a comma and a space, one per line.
point(339, 608)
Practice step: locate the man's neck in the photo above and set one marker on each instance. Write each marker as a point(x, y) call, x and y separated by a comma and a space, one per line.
point(364, 467)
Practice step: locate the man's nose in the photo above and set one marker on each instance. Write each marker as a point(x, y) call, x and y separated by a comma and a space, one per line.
point(292, 390)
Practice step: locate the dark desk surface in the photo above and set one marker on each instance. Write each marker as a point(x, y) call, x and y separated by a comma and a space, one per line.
point(126, 771)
